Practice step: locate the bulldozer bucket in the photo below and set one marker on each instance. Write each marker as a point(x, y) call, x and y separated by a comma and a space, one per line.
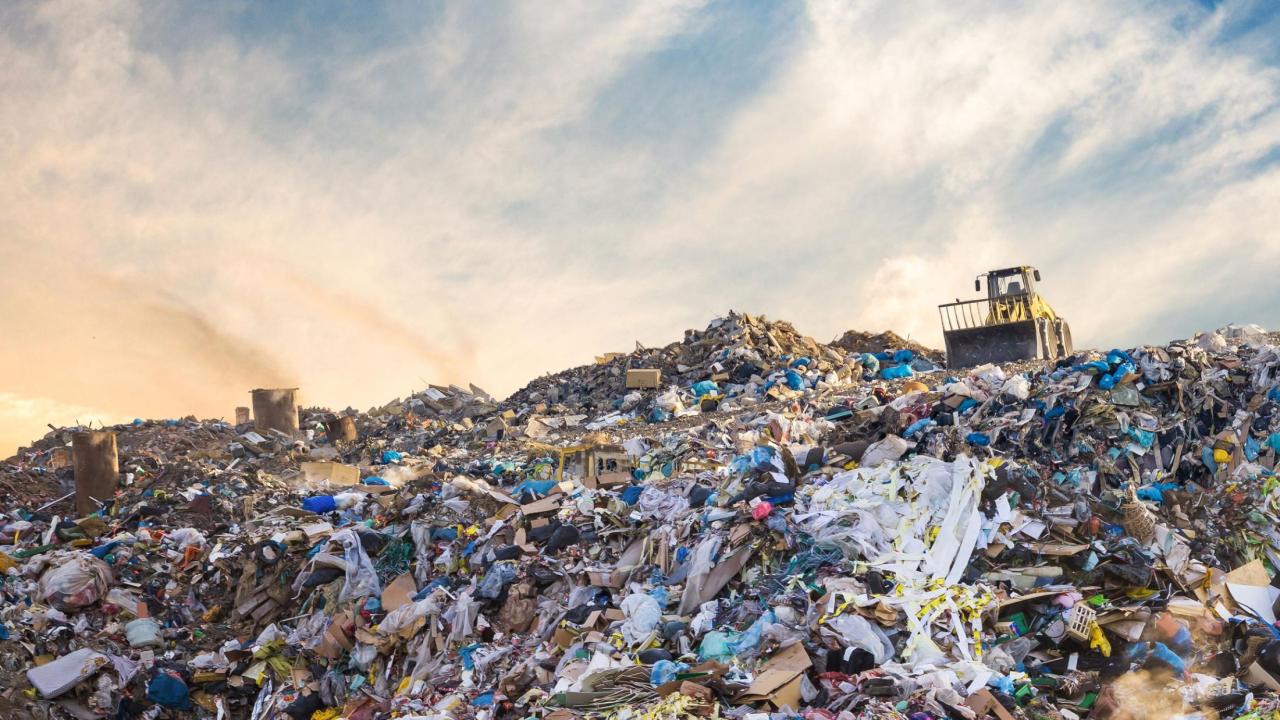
point(1008, 342)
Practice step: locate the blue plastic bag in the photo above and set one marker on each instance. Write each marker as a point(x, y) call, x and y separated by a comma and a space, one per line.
point(1117, 357)
point(705, 387)
point(794, 381)
point(664, 671)
point(169, 691)
point(919, 426)
point(979, 439)
point(903, 356)
point(1206, 457)
point(319, 504)
point(539, 488)
point(897, 372)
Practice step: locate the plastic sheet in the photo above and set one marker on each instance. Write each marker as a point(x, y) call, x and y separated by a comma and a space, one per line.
point(361, 578)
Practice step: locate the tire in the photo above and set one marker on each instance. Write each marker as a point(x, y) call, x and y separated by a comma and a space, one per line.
point(1064, 339)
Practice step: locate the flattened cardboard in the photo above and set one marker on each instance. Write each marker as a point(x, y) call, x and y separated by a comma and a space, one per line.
point(775, 680)
point(1251, 573)
point(1259, 676)
point(1057, 549)
point(399, 592)
point(335, 639)
point(723, 573)
point(545, 506)
point(335, 474)
point(607, 480)
point(983, 702)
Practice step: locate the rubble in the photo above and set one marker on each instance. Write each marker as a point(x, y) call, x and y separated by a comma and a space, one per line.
point(828, 531)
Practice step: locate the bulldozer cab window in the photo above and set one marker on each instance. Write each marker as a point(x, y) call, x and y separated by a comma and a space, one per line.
point(1008, 285)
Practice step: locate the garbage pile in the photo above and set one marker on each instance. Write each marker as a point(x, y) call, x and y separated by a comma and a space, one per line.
point(855, 341)
point(1095, 537)
point(737, 361)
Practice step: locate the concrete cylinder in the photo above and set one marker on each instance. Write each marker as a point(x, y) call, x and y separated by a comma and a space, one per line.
point(243, 416)
point(97, 468)
point(275, 410)
point(342, 428)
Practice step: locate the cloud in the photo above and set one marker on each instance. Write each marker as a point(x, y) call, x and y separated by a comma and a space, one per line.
point(195, 205)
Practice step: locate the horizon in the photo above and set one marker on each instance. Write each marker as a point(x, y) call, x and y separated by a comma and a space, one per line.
point(505, 396)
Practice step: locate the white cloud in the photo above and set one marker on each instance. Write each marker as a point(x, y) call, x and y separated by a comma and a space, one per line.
point(186, 213)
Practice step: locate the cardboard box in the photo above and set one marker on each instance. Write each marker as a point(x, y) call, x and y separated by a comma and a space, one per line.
point(335, 474)
point(644, 378)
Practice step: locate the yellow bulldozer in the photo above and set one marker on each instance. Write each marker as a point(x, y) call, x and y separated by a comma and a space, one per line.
point(1011, 323)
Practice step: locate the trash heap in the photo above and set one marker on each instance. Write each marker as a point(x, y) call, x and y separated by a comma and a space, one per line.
point(736, 362)
point(855, 341)
point(1095, 537)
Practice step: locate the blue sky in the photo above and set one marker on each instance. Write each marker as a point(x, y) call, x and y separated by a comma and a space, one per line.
point(357, 198)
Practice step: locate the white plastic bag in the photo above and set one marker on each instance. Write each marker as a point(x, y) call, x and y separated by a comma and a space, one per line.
point(362, 579)
point(643, 616)
point(75, 581)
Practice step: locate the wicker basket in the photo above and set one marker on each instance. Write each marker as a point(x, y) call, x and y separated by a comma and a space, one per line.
point(1139, 523)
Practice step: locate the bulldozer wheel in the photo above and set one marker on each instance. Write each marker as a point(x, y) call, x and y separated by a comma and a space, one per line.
point(1064, 339)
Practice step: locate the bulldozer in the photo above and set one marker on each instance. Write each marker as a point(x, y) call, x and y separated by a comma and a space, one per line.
point(1013, 322)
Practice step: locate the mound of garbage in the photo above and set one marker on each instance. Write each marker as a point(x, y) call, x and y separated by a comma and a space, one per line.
point(855, 341)
point(1095, 537)
point(737, 361)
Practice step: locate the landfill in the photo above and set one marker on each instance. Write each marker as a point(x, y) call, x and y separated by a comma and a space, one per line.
point(743, 524)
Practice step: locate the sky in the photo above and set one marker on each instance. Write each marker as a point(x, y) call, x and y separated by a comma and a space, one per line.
point(357, 199)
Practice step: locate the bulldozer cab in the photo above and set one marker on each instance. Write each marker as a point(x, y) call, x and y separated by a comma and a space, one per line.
point(1012, 294)
point(1012, 323)
point(1008, 282)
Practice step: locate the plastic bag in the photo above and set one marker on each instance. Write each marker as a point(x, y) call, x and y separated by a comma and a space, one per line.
point(748, 643)
point(1017, 386)
point(143, 632)
point(857, 632)
point(891, 447)
point(75, 582)
point(669, 401)
point(705, 619)
point(362, 579)
point(705, 387)
point(717, 645)
point(664, 671)
point(405, 616)
point(643, 615)
point(499, 576)
point(186, 537)
point(897, 372)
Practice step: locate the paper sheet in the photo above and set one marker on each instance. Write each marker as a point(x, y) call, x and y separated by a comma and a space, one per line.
point(1257, 599)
